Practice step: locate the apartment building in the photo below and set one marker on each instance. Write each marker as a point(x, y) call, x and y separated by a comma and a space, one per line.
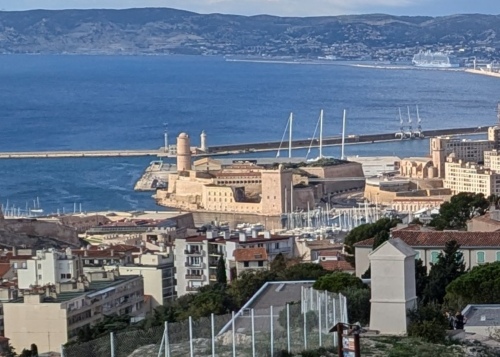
point(463, 176)
point(52, 315)
point(465, 150)
point(477, 247)
point(158, 272)
point(196, 257)
point(50, 267)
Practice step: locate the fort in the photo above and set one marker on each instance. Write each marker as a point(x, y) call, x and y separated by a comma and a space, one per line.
point(267, 188)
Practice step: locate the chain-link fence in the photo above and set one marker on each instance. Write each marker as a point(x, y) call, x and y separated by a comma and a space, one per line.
point(293, 327)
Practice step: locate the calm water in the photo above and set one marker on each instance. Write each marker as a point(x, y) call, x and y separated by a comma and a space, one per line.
point(78, 102)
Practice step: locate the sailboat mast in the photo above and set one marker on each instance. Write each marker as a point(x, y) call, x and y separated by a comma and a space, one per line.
point(321, 134)
point(290, 138)
point(343, 135)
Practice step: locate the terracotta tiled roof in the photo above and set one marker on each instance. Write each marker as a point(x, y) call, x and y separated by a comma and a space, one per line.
point(329, 253)
point(4, 269)
point(336, 265)
point(439, 239)
point(250, 254)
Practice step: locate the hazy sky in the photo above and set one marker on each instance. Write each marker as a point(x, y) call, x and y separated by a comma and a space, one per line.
point(276, 7)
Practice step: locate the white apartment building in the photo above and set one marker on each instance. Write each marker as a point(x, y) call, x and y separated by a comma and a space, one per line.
point(468, 177)
point(492, 160)
point(196, 257)
point(49, 267)
point(53, 315)
point(158, 272)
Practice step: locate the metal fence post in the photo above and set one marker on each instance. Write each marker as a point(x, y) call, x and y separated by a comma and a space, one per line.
point(167, 342)
point(234, 335)
point(305, 331)
point(327, 297)
point(253, 333)
point(318, 301)
point(334, 321)
point(288, 327)
point(213, 334)
point(62, 350)
point(272, 332)
point(112, 343)
point(191, 352)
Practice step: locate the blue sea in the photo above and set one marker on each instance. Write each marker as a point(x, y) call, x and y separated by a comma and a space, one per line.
point(108, 102)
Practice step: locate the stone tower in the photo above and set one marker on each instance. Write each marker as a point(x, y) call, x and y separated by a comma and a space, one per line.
point(393, 286)
point(275, 191)
point(183, 152)
point(438, 154)
point(203, 141)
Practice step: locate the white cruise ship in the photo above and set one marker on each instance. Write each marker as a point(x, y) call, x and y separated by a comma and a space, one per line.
point(435, 60)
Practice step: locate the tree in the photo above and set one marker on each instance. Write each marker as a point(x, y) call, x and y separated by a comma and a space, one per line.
point(421, 278)
point(428, 322)
point(221, 271)
point(367, 231)
point(449, 266)
point(338, 281)
point(481, 285)
point(302, 271)
point(10, 351)
point(278, 264)
point(34, 350)
point(380, 238)
point(461, 208)
point(358, 304)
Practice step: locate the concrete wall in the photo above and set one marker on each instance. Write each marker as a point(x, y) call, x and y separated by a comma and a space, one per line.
point(42, 324)
point(351, 169)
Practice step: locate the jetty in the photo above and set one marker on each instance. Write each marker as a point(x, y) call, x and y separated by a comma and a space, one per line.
point(242, 148)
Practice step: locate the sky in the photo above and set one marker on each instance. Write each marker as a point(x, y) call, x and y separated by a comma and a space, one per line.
point(276, 7)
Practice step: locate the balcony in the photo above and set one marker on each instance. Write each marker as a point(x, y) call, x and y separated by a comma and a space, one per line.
point(195, 277)
point(192, 288)
point(197, 253)
point(213, 264)
point(213, 277)
point(215, 253)
point(194, 265)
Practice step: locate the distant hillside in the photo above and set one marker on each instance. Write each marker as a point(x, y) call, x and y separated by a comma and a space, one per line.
point(166, 31)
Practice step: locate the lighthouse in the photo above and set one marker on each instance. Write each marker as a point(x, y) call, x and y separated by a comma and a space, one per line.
point(203, 141)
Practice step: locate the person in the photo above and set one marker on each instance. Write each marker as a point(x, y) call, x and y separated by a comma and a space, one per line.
point(451, 320)
point(459, 321)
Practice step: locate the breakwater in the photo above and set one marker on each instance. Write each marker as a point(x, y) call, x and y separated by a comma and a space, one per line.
point(242, 148)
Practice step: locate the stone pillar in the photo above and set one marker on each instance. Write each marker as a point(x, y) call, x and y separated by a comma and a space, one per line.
point(393, 286)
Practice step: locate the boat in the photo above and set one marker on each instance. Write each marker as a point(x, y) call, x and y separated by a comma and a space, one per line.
point(36, 208)
point(430, 59)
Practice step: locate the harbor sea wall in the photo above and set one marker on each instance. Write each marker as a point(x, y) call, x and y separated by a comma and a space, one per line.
point(484, 73)
point(233, 219)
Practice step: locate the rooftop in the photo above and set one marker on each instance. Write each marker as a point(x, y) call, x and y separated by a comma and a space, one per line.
point(234, 238)
point(250, 254)
point(332, 265)
point(438, 239)
point(482, 315)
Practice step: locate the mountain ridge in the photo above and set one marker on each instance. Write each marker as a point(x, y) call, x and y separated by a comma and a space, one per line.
point(172, 31)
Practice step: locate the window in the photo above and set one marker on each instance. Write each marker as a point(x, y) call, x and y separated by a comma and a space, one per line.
point(417, 256)
point(261, 263)
point(39, 277)
point(434, 257)
point(39, 266)
point(480, 257)
point(276, 246)
point(245, 264)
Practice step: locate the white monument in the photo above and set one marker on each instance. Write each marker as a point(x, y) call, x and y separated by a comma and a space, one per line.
point(393, 286)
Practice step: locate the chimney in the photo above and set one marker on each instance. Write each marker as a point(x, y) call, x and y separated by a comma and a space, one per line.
point(226, 235)
point(255, 234)
point(243, 237)
point(210, 234)
point(267, 235)
point(85, 252)
point(113, 252)
point(14, 251)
